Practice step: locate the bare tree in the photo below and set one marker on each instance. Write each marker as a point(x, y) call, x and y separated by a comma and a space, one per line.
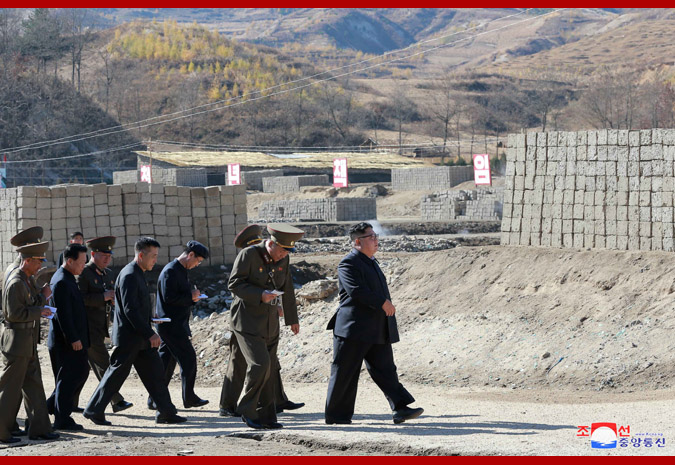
point(78, 36)
point(443, 107)
point(339, 104)
point(611, 100)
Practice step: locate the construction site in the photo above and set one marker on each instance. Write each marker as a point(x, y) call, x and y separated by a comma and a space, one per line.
point(528, 309)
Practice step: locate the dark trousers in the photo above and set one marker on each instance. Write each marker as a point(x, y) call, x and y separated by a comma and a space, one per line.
point(149, 367)
point(177, 347)
point(257, 402)
point(233, 382)
point(21, 376)
point(348, 356)
point(99, 361)
point(72, 372)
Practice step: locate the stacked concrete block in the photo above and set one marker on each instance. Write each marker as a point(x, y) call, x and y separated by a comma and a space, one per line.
point(282, 184)
point(483, 203)
point(604, 189)
point(323, 209)
point(437, 178)
point(167, 176)
point(8, 218)
point(253, 180)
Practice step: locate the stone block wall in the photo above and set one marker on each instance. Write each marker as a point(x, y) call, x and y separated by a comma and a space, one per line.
point(254, 179)
point(483, 203)
point(171, 214)
point(610, 189)
point(324, 209)
point(437, 178)
point(293, 183)
point(195, 177)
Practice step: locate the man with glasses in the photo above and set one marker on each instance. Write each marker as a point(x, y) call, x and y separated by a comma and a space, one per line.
point(175, 297)
point(364, 328)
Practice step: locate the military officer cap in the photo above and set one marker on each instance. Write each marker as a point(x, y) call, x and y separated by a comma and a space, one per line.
point(34, 250)
point(27, 236)
point(251, 234)
point(285, 235)
point(198, 248)
point(103, 244)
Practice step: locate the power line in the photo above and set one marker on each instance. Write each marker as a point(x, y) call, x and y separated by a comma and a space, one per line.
point(138, 125)
point(81, 155)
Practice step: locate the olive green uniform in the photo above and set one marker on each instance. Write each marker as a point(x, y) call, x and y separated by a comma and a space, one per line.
point(93, 283)
point(22, 304)
point(256, 325)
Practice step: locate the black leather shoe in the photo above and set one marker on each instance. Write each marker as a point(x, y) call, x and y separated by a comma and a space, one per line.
point(70, 426)
point(11, 440)
point(196, 403)
point(272, 425)
point(407, 413)
point(169, 419)
point(288, 405)
point(18, 432)
point(338, 422)
point(121, 405)
point(46, 436)
point(251, 423)
point(228, 412)
point(96, 419)
point(78, 410)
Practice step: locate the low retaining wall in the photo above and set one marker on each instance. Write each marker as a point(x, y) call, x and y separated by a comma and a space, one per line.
point(483, 203)
point(281, 184)
point(326, 209)
point(171, 214)
point(438, 178)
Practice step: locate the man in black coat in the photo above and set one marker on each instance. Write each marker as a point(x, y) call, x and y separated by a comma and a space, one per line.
point(68, 339)
point(175, 296)
point(135, 341)
point(364, 328)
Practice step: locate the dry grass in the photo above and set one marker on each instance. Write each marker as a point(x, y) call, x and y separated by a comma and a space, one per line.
point(370, 160)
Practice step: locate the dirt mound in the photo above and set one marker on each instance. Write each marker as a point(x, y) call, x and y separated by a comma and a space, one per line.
point(508, 317)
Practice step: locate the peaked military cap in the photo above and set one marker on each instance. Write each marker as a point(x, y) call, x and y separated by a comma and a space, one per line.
point(285, 235)
point(103, 244)
point(251, 234)
point(198, 248)
point(28, 236)
point(34, 250)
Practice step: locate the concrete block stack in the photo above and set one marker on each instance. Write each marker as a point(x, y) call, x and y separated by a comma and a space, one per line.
point(279, 185)
point(171, 214)
point(483, 203)
point(323, 209)
point(167, 176)
point(604, 189)
point(253, 180)
point(437, 178)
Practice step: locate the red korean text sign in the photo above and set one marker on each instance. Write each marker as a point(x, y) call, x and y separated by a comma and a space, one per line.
point(340, 178)
point(233, 174)
point(481, 170)
point(146, 173)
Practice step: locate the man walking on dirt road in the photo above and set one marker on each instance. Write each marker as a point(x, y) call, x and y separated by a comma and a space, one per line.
point(364, 328)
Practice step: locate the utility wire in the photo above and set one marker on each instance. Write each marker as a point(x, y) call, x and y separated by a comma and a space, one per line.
point(138, 125)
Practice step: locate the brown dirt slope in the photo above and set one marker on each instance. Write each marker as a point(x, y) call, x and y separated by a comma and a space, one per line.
point(502, 317)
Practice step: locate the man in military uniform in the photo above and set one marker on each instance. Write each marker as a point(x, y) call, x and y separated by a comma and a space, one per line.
point(23, 305)
point(175, 296)
point(259, 275)
point(27, 236)
point(98, 291)
point(135, 341)
point(233, 381)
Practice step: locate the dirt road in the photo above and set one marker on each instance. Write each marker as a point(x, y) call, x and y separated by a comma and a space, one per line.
point(456, 422)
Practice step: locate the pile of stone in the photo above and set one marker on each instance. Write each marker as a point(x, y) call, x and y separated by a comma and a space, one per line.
point(483, 203)
point(435, 178)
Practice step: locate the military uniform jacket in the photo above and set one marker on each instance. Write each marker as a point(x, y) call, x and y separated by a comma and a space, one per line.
point(22, 304)
point(133, 309)
point(92, 286)
point(70, 322)
point(174, 298)
point(250, 277)
point(8, 271)
point(362, 288)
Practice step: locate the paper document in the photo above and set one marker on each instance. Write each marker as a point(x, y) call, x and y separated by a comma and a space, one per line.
point(275, 292)
point(161, 320)
point(53, 310)
point(203, 296)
